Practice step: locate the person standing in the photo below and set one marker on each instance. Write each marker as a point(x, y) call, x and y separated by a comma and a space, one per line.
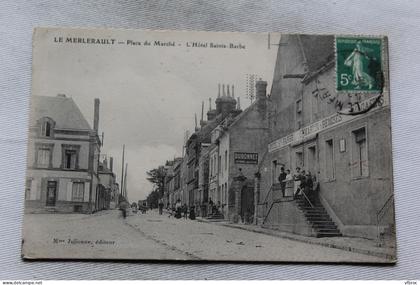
point(210, 206)
point(161, 207)
point(309, 184)
point(185, 211)
point(282, 180)
point(178, 209)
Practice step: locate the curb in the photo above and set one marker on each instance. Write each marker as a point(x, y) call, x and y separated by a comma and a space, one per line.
point(390, 258)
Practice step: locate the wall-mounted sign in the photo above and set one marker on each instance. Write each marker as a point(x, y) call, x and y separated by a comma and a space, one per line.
point(245, 157)
point(327, 123)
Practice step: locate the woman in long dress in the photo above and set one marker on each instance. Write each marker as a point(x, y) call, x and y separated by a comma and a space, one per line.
point(359, 60)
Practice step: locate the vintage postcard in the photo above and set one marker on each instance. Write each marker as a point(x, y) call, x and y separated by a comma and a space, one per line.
point(176, 145)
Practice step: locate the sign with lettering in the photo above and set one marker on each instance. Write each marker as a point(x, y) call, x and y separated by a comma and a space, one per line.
point(245, 158)
point(326, 123)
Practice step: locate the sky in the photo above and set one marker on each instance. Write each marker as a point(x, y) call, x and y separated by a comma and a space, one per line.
point(148, 94)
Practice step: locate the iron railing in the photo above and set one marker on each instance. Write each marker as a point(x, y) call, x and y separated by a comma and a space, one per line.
point(381, 213)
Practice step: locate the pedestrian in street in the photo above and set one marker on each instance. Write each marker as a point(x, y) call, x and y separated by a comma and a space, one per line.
point(185, 211)
point(161, 207)
point(282, 180)
point(210, 206)
point(192, 213)
point(123, 207)
point(178, 209)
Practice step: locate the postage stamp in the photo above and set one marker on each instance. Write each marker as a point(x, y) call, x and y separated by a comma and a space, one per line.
point(359, 64)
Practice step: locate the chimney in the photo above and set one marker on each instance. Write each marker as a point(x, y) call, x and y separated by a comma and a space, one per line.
point(111, 163)
point(211, 114)
point(96, 116)
point(261, 87)
point(195, 119)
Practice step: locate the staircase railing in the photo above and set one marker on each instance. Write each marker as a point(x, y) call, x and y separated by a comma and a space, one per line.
point(307, 199)
point(381, 213)
point(265, 203)
point(267, 213)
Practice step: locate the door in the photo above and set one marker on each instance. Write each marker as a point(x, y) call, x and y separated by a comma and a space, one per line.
point(51, 193)
point(247, 204)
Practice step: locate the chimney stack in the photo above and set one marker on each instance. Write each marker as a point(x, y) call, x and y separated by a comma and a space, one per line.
point(261, 87)
point(211, 114)
point(96, 115)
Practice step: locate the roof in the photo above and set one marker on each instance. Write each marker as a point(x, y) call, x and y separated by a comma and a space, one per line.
point(242, 114)
point(63, 110)
point(317, 49)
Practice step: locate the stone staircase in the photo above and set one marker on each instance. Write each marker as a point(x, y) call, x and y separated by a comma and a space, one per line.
point(216, 216)
point(318, 217)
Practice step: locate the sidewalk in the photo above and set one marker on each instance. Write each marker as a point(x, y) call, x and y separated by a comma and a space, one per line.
point(352, 244)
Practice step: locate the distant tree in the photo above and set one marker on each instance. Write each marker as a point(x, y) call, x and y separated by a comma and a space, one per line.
point(156, 176)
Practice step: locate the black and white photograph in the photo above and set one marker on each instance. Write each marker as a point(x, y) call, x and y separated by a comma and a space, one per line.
point(209, 146)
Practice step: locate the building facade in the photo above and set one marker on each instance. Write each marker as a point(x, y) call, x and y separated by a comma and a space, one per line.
point(110, 188)
point(63, 157)
point(239, 142)
point(343, 139)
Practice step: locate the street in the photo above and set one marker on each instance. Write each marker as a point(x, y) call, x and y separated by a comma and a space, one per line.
point(152, 236)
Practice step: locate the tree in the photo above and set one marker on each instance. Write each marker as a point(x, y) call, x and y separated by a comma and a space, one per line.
point(156, 176)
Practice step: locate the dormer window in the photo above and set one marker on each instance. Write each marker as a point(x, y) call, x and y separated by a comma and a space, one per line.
point(46, 129)
point(47, 126)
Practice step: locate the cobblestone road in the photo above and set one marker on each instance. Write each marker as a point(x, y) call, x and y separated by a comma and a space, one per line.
point(151, 236)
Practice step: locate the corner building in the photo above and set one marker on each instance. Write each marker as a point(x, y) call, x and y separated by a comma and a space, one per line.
point(63, 157)
point(313, 127)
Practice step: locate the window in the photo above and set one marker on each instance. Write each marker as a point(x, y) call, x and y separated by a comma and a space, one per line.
point(28, 189)
point(360, 160)
point(329, 159)
point(299, 159)
point(225, 159)
point(78, 191)
point(211, 166)
point(46, 129)
point(43, 157)
point(218, 164)
point(47, 126)
point(226, 193)
point(311, 159)
point(70, 159)
point(70, 156)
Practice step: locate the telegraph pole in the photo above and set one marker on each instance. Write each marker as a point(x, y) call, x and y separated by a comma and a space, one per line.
point(122, 171)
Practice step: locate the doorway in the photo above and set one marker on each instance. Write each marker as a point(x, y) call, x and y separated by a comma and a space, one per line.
point(51, 193)
point(247, 204)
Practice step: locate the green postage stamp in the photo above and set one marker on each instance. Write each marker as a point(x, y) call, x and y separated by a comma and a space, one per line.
point(359, 64)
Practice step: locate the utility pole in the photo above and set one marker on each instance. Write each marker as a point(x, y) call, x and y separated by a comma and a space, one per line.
point(122, 171)
point(125, 182)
